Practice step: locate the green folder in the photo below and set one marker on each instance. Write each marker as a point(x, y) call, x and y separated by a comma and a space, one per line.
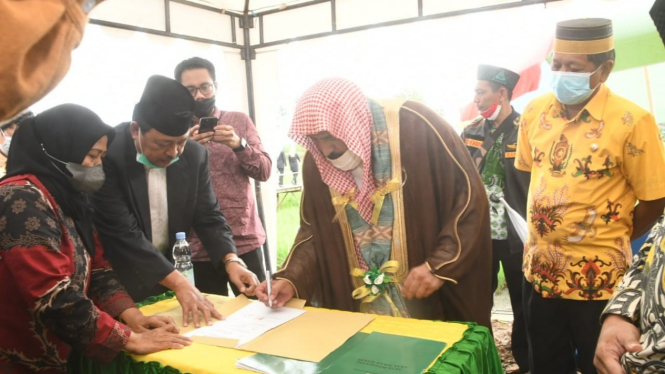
point(269, 364)
point(374, 353)
point(388, 354)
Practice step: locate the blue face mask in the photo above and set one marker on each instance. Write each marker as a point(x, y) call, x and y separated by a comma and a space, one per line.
point(572, 88)
point(142, 159)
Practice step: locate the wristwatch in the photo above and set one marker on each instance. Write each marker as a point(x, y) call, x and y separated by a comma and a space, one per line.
point(243, 145)
point(235, 259)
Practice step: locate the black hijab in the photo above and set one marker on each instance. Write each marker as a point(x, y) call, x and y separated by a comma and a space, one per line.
point(67, 132)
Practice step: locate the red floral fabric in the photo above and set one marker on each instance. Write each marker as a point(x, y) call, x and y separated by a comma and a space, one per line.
point(49, 282)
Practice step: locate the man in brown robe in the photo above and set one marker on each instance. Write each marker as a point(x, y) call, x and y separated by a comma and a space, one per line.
point(412, 239)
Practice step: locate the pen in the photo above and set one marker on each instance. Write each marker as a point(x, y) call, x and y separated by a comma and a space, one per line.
point(268, 281)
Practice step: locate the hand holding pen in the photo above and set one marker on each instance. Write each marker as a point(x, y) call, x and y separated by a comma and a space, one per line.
point(275, 294)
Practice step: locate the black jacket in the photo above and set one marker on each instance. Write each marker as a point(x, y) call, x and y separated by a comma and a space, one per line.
point(281, 162)
point(122, 214)
point(293, 162)
point(516, 188)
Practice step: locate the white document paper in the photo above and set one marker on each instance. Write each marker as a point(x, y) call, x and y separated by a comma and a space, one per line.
point(242, 365)
point(248, 323)
point(518, 222)
point(257, 365)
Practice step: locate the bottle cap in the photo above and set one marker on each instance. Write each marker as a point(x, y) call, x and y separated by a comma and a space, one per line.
point(179, 235)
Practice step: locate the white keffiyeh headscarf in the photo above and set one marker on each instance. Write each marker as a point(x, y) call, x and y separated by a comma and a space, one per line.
point(339, 107)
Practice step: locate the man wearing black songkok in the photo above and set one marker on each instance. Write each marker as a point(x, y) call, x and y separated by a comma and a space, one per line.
point(491, 139)
point(157, 184)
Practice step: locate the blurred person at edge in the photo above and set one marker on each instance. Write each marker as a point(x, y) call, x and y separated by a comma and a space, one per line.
point(632, 338)
point(36, 53)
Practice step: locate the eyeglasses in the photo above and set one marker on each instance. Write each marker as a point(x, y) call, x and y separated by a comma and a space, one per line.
point(205, 88)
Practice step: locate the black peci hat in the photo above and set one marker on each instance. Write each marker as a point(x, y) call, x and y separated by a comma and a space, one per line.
point(166, 106)
point(499, 75)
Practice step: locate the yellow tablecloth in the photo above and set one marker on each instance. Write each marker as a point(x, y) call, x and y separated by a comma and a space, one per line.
point(469, 349)
point(207, 359)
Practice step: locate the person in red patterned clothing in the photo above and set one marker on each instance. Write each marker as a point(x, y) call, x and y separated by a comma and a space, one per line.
point(58, 292)
point(236, 155)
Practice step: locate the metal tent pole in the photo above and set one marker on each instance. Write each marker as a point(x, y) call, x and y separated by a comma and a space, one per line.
point(248, 54)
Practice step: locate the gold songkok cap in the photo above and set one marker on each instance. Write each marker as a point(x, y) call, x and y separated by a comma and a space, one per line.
point(584, 36)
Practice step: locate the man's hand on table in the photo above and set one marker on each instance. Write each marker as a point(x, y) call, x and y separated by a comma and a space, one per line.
point(420, 283)
point(138, 322)
point(617, 337)
point(156, 340)
point(245, 280)
point(192, 301)
point(282, 292)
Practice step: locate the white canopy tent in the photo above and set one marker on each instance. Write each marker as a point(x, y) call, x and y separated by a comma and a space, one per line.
point(422, 49)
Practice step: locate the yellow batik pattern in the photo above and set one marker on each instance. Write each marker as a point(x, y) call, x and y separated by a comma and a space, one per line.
point(586, 175)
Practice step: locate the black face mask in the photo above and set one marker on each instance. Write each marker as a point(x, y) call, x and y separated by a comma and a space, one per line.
point(203, 108)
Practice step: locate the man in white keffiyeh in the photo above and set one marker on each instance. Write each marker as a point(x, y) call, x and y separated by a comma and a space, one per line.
point(394, 217)
point(333, 117)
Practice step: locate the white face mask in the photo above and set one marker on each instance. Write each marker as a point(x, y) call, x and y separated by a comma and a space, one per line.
point(4, 148)
point(347, 161)
point(492, 112)
point(495, 114)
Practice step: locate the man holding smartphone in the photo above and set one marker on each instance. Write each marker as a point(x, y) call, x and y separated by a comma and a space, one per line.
point(236, 154)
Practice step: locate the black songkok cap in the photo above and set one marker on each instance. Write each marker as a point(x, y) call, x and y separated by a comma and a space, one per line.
point(166, 106)
point(584, 36)
point(658, 15)
point(499, 75)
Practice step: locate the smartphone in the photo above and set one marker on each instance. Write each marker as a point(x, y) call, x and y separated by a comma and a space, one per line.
point(207, 124)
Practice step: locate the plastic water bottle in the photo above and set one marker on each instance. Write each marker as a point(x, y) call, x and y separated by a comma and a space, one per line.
point(183, 257)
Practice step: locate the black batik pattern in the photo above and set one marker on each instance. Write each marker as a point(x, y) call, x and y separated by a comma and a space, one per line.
point(23, 222)
point(104, 286)
point(641, 297)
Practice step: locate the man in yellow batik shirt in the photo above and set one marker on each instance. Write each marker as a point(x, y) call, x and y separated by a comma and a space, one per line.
point(592, 156)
